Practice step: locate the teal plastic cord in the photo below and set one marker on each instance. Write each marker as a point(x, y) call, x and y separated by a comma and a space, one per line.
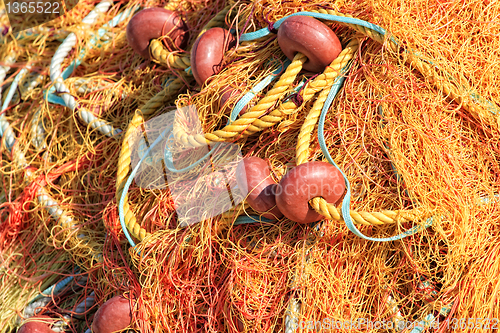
point(168, 156)
point(50, 94)
point(240, 219)
point(345, 209)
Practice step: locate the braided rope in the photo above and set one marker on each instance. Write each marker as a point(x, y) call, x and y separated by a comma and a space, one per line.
point(321, 82)
point(366, 218)
point(175, 60)
point(217, 21)
point(163, 56)
point(305, 134)
point(63, 51)
point(124, 160)
point(238, 127)
point(304, 138)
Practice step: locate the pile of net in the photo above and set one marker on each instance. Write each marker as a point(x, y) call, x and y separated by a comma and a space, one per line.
point(92, 209)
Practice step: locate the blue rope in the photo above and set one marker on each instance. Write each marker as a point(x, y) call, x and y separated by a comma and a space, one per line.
point(348, 20)
point(345, 209)
point(239, 220)
point(11, 140)
point(55, 288)
point(129, 182)
point(50, 95)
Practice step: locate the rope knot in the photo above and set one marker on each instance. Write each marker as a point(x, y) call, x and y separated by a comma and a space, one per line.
point(270, 25)
point(271, 28)
point(297, 99)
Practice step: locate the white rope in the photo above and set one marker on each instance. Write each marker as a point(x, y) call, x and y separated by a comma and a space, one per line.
point(56, 75)
point(64, 219)
point(43, 196)
point(6, 131)
point(38, 130)
point(31, 309)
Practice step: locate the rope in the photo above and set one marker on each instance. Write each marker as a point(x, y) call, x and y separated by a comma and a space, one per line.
point(163, 56)
point(124, 160)
point(302, 152)
point(57, 77)
point(63, 218)
point(173, 60)
point(335, 68)
point(345, 214)
point(321, 82)
point(240, 125)
point(329, 211)
point(6, 131)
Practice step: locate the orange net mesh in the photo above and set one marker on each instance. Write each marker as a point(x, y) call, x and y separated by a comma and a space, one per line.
point(402, 138)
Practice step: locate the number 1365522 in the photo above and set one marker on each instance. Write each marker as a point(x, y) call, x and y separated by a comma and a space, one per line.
point(473, 323)
point(35, 7)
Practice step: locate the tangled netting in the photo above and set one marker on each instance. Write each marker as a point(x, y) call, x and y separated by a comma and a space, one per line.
point(415, 128)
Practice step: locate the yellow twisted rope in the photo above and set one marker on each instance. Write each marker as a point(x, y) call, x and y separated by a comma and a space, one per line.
point(163, 56)
point(319, 204)
point(237, 127)
point(124, 160)
point(448, 88)
point(321, 82)
point(304, 138)
point(178, 60)
point(217, 21)
point(367, 218)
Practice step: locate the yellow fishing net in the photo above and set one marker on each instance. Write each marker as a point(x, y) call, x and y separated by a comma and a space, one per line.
point(415, 128)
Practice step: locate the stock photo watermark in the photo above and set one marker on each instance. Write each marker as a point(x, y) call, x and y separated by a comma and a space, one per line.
point(330, 324)
point(26, 14)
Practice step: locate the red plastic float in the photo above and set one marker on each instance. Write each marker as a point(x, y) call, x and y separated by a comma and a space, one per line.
point(255, 182)
point(304, 182)
point(208, 52)
point(310, 37)
point(154, 23)
point(114, 315)
point(38, 324)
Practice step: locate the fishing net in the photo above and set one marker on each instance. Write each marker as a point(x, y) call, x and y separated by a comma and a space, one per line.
point(414, 126)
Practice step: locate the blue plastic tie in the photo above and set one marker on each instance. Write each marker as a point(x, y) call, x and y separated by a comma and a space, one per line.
point(345, 209)
point(348, 20)
point(50, 95)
